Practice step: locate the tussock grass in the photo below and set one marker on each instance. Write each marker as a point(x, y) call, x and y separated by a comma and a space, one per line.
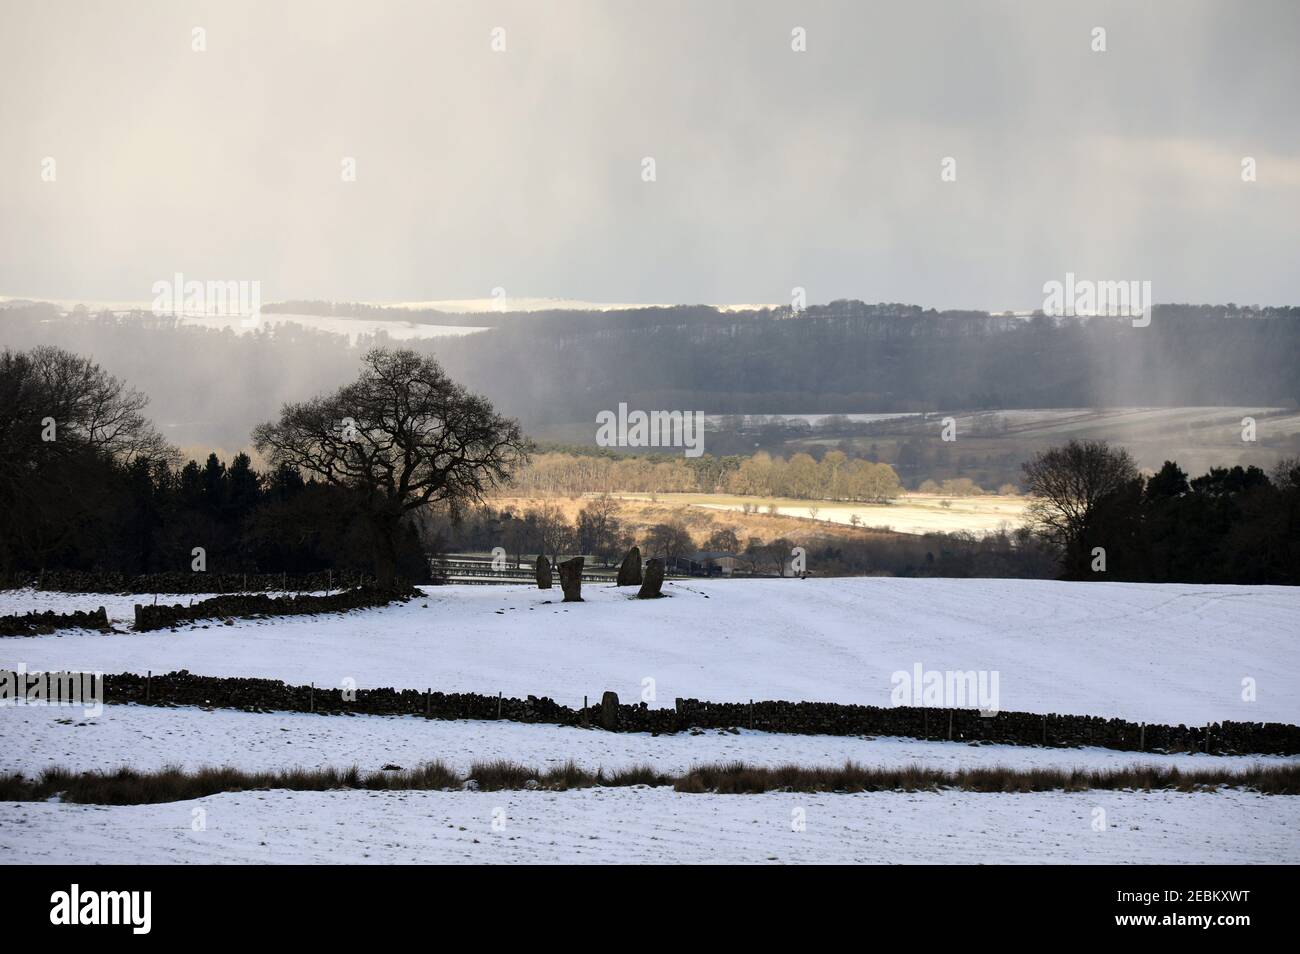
point(638, 775)
point(171, 784)
point(735, 778)
point(499, 775)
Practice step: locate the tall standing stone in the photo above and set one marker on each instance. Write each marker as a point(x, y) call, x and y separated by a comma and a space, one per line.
point(571, 579)
point(629, 573)
point(543, 573)
point(609, 711)
point(654, 580)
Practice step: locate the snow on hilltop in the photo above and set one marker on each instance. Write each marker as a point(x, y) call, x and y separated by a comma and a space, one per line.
point(1155, 653)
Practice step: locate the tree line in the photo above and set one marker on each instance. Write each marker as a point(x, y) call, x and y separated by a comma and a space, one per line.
point(1104, 520)
point(563, 367)
point(854, 356)
point(835, 477)
point(87, 483)
point(598, 532)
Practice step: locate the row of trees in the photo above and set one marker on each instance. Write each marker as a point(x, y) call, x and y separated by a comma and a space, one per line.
point(597, 531)
point(1104, 520)
point(851, 355)
point(1018, 554)
point(962, 487)
point(835, 477)
point(87, 483)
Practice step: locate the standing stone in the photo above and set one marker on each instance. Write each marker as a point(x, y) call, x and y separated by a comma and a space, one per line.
point(629, 573)
point(609, 711)
point(654, 580)
point(571, 579)
point(543, 573)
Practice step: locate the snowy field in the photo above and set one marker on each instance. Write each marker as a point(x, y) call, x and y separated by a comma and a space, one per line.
point(1155, 653)
point(1158, 653)
point(647, 826)
point(352, 327)
point(148, 738)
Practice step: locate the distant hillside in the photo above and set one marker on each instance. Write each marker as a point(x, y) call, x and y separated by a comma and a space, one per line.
point(851, 357)
point(555, 369)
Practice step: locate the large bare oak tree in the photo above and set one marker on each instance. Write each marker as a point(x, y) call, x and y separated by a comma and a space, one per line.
point(401, 436)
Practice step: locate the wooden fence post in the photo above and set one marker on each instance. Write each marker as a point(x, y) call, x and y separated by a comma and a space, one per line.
point(148, 685)
point(949, 725)
point(1044, 728)
point(312, 704)
point(498, 703)
point(1142, 738)
point(751, 713)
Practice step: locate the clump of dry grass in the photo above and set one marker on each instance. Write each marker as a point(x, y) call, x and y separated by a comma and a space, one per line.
point(495, 776)
point(127, 786)
point(500, 774)
point(737, 778)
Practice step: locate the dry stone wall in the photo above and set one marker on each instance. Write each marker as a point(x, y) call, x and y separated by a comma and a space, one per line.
point(244, 605)
point(37, 624)
point(79, 581)
point(812, 718)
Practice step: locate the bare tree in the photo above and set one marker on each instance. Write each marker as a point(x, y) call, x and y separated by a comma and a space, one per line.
point(724, 540)
point(61, 417)
point(1286, 473)
point(668, 540)
point(598, 528)
point(401, 436)
point(554, 534)
point(53, 397)
point(1067, 484)
point(774, 554)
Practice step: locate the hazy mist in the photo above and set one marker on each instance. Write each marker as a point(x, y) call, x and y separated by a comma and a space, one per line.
point(522, 169)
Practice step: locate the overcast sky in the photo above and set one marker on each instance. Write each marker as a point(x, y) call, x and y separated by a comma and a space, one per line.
point(523, 169)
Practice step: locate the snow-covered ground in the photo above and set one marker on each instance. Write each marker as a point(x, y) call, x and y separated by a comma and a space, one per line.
point(147, 738)
point(352, 327)
point(660, 826)
point(1159, 653)
point(1156, 653)
point(120, 607)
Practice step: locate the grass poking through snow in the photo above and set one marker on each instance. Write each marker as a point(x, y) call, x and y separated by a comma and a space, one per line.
point(173, 784)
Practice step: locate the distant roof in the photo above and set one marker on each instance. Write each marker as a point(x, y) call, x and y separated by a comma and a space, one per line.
point(713, 555)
